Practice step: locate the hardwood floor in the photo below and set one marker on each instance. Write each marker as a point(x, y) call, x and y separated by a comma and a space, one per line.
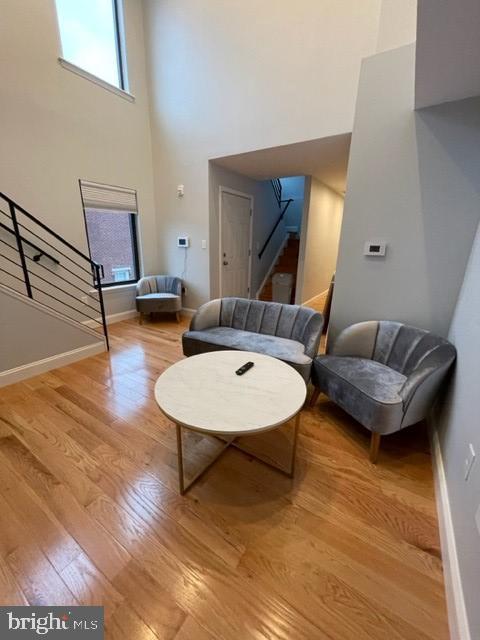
point(90, 514)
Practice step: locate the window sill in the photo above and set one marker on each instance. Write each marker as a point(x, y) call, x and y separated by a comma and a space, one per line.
point(93, 78)
point(116, 288)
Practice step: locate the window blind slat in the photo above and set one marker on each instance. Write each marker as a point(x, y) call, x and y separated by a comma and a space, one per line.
point(101, 196)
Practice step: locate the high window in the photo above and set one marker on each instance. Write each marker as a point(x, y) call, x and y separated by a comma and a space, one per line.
point(111, 224)
point(91, 37)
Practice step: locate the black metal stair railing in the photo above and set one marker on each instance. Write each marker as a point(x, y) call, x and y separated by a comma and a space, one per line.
point(283, 206)
point(58, 275)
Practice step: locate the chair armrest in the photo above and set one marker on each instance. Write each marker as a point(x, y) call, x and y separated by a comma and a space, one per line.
point(206, 316)
point(358, 340)
point(177, 287)
point(312, 335)
point(144, 286)
point(423, 384)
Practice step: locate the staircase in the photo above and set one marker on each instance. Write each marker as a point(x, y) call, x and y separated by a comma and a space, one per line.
point(48, 272)
point(287, 263)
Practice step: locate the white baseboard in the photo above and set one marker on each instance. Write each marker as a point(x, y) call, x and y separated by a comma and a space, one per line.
point(457, 613)
point(123, 315)
point(126, 315)
point(188, 312)
point(272, 266)
point(47, 364)
point(113, 317)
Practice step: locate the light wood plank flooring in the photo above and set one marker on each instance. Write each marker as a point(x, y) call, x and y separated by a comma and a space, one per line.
point(90, 513)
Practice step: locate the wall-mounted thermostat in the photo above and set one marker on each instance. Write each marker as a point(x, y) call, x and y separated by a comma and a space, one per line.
point(375, 248)
point(183, 241)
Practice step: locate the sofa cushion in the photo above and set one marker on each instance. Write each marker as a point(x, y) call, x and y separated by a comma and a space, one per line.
point(367, 390)
point(218, 338)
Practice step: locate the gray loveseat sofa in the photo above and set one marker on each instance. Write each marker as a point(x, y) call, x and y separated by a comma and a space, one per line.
point(384, 374)
point(288, 332)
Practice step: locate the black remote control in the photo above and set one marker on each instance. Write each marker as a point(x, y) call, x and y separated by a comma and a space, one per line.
point(244, 369)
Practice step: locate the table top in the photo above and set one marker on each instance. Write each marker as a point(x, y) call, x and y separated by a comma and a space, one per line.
point(204, 393)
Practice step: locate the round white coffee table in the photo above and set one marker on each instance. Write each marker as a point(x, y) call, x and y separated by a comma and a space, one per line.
point(203, 393)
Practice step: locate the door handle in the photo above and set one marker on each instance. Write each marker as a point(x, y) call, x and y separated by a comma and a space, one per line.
point(225, 263)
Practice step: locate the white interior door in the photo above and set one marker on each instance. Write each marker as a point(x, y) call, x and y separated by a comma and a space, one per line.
point(236, 211)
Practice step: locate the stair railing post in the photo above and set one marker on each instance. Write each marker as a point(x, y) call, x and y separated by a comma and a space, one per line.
point(98, 284)
point(18, 238)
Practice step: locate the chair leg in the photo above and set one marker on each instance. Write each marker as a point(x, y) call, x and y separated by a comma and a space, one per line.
point(314, 398)
point(374, 447)
point(140, 318)
point(177, 315)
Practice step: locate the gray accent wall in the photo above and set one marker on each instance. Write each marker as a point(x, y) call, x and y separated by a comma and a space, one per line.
point(413, 181)
point(294, 188)
point(458, 426)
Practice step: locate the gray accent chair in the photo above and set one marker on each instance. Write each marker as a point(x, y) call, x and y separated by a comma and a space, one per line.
point(285, 331)
point(384, 374)
point(159, 294)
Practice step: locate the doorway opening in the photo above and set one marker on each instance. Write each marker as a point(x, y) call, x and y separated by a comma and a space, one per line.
point(296, 193)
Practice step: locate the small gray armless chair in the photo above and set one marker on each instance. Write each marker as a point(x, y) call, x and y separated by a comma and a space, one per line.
point(384, 374)
point(159, 294)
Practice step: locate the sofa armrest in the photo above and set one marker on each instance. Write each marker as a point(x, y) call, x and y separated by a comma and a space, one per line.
point(358, 341)
point(206, 316)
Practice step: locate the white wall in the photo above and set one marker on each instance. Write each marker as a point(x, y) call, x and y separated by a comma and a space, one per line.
point(320, 239)
point(229, 77)
point(57, 127)
point(265, 214)
point(413, 180)
point(458, 427)
point(398, 24)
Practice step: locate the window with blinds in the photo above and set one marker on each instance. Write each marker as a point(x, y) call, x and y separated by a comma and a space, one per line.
point(111, 224)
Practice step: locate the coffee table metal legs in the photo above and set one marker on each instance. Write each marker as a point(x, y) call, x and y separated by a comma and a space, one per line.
point(231, 443)
point(181, 473)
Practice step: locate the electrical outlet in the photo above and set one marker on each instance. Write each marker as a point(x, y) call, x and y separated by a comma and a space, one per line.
point(469, 461)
